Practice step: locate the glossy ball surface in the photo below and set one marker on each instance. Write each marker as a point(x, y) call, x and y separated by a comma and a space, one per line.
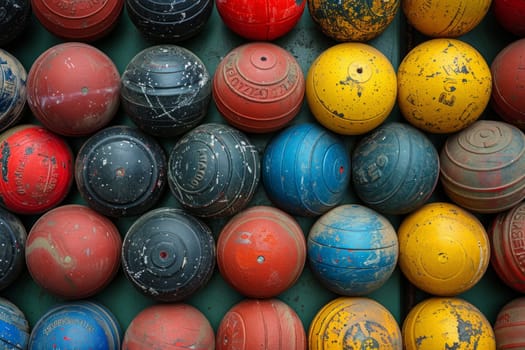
point(73, 89)
point(73, 252)
point(261, 252)
point(509, 14)
point(305, 170)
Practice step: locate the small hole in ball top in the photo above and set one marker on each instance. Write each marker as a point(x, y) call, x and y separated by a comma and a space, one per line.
point(264, 58)
point(163, 254)
point(359, 70)
point(260, 259)
point(341, 170)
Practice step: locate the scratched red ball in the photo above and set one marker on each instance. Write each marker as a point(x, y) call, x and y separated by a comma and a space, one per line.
point(261, 251)
point(509, 328)
point(36, 169)
point(73, 89)
point(73, 252)
point(507, 241)
point(176, 326)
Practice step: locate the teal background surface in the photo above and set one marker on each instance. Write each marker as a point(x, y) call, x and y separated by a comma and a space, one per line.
point(307, 296)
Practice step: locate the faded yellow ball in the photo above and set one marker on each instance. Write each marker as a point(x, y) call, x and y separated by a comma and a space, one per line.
point(447, 323)
point(444, 85)
point(354, 323)
point(443, 249)
point(351, 88)
point(445, 18)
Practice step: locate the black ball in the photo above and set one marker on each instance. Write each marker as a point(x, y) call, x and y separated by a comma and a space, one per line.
point(213, 170)
point(14, 17)
point(13, 236)
point(168, 20)
point(168, 254)
point(121, 171)
point(166, 90)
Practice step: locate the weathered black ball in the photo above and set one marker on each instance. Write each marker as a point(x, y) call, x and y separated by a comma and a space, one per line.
point(168, 254)
point(13, 236)
point(14, 16)
point(168, 20)
point(213, 170)
point(166, 90)
point(121, 171)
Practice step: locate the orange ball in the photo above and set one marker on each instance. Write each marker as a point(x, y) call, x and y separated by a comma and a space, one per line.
point(261, 251)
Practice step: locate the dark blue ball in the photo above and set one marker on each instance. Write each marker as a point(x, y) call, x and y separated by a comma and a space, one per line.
point(395, 168)
point(306, 170)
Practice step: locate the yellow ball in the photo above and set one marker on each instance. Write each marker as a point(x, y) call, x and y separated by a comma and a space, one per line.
point(444, 85)
point(354, 323)
point(353, 20)
point(447, 323)
point(351, 88)
point(443, 249)
point(445, 18)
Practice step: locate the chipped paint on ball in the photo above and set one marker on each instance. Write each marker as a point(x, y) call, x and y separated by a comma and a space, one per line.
point(443, 249)
point(351, 88)
point(444, 85)
point(13, 92)
point(353, 20)
point(354, 323)
point(445, 18)
point(352, 250)
point(447, 323)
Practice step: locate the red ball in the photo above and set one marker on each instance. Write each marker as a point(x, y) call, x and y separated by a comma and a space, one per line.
point(261, 324)
point(258, 87)
point(508, 94)
point(73, 252)
point(37, 169)
point(261, 252)
point(73, 89)
point(169, 326)
point(507, 235)
point(509, 328)
point(509, 14)
point(78, 20)
point(261, 19)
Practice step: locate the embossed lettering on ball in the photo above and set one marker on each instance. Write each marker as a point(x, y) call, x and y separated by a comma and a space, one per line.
point(444, 85)
point(353, 20)
point(395, 169)
point(77, 325)
point(507, 240)
point(213, 170)
point(166, 90)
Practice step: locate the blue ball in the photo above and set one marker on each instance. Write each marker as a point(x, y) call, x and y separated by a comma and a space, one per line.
point(14, 328)
point(352, 250)
point(76, 325)
point(395, 169)
point(306, 170)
